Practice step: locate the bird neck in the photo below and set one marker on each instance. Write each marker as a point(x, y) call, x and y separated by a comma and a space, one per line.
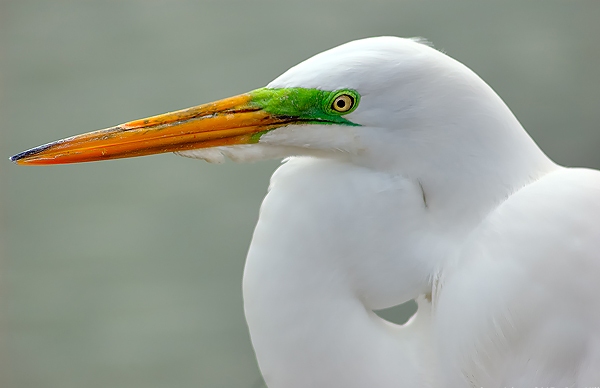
point(337, 239)
point(323, 256)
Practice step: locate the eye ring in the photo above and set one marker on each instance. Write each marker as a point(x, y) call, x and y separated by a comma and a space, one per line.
point(343, 103)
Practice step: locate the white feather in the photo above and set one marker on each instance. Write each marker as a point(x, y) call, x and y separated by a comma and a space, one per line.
point(438, 195)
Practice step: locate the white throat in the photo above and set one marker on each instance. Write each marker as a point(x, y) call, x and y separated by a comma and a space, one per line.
point(309, 288)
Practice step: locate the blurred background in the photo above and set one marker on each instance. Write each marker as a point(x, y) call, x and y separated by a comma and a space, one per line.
point(128, 273)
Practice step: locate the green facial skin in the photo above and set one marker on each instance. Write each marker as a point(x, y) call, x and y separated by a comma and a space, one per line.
point(311, 106)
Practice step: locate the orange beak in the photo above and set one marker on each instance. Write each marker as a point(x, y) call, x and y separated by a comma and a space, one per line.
point(230, 121)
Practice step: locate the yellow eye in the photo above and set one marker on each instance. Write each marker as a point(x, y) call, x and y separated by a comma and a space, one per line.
point(343, 103)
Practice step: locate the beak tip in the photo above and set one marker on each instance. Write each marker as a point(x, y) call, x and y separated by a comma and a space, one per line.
point(19, 158)
point(15, 158)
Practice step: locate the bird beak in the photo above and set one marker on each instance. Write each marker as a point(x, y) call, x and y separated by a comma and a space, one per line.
point(234, 120)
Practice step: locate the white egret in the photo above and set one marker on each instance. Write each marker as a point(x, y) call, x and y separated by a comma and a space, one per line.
point(407, 178)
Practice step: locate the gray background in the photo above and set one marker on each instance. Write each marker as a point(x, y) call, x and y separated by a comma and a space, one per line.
point(128, 273)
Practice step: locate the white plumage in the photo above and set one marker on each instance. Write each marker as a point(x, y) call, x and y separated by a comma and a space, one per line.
point(429, 190)
point(440, 195)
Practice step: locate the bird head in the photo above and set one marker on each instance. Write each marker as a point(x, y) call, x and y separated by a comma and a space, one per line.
point(377, 99)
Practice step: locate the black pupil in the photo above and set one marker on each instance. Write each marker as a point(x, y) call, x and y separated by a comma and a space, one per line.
point(343, 103)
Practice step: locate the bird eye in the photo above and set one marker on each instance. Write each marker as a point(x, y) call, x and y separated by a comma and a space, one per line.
point(343, 103)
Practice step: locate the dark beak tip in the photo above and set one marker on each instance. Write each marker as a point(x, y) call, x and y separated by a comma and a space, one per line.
point(29, 153)
point(16, 158)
